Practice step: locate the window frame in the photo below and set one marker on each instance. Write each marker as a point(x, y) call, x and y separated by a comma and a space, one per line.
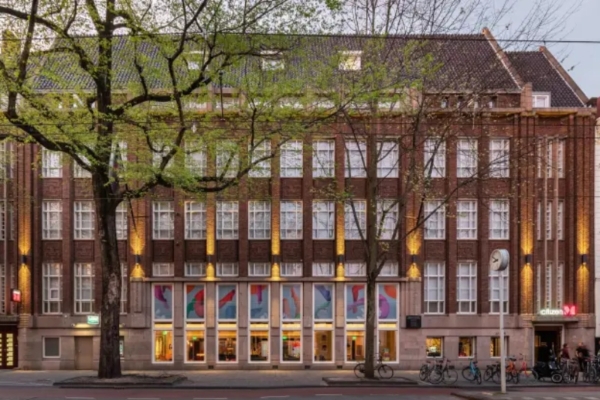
point(471, 281)
point(258, 208)
point(440, 278)
point(495, 215)
point(494, 276)
point(195, 220)
point(80, 210)
point(122, 221)
point(160, 211)
point(323, 158)
point(260, 169)
point(44, 355)
point(291, 152)
point(47, 301)
point(51, 164)
point(434, 225)
point(318, 214)
point(467, 157)
point(79, 278)
point(49, 225)
point(388, 159)
point(295, 225)
point(434, 152)
point(466, 219)
point(355, 158)
point(231, 209)
point(355, 222)
point(499, 152)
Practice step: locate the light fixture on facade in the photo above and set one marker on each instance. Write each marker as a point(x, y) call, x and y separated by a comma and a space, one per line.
point(24, 259)
point(138, 259)
point(527, 259)
point(413, 258)
point(584, 258)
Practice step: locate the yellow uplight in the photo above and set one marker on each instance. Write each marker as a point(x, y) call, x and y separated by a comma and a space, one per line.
point(527, 299)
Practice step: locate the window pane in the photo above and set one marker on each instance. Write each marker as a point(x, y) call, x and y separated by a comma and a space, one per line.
point(323, 346)
point(51, 347)
point(195, 346)
point(259, 346)
point(163, 346)
point(291, 346)
point(227, 346)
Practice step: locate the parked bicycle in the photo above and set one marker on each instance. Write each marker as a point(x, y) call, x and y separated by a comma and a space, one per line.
point(570, 370)
point(522, 369)
point(443, 372)
point(589, 372)
point(426, 369)
point(383, 370)
point(472, 373)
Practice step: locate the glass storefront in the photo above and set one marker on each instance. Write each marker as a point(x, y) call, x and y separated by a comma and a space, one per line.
point(466, 347)
point(387, 321)
point(163, 346)
point(388, 345)
point(259, 346)
point(291, 345)
point(258, 309)
point(195, 346)
point(227, 346)
point(323, 349)
point(291, 319)
point(355, 346)
point(194, 303)
point(227, 323)
point(162, 323)
point(434, 346)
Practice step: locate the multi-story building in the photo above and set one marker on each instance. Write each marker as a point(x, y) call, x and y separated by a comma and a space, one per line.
point(270, 274)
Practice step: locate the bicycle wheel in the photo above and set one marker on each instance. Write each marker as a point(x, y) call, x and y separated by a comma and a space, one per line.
point(385, 371)
point(487, 375)
point(436, 376)
point(515, 377)
point(468, 374)
point(478, 376)
point(424, 372)
point(496, 376)
point(359, 370)
point(592, 375)
point(450, 376)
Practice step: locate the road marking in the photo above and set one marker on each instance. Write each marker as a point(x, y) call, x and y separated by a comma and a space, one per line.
point(274, 397)
point(527, 398)
point(143, 398)
point(210, 398)
point(80, 398)
point(328, 394)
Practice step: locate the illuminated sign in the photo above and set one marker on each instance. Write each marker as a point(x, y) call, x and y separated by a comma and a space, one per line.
point(566, 311)
point(15, 295)
point(93, 319)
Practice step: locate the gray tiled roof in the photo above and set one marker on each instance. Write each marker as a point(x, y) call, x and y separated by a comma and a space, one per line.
point(534, 67)
point(461, 62)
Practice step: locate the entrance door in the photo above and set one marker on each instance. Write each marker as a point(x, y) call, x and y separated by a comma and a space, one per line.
point(84, 357)
point(8, 347)
point(547, 341)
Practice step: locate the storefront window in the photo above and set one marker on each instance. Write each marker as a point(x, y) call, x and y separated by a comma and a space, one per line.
point(434, 346)
point(323, 296)
point(291, 316)
point(355, 346)
point(355, 302)
point(495, 346)
point(259, 300)
point(195, 346)
point(227, 345)
point(388, 345)
point(163, 346)
point(323, 306)
point(466, 347)
point(194, 302)
point(227, 323)
point(323, 346)
point(227, 305)
point(387, 320)
point(163, 303)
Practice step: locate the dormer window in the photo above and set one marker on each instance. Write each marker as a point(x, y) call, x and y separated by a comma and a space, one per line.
point(541, 100)
point(350, 60)
point(492, 102)
point(460, 102)
point(194, 59)
point(271, 61)
point(444, 103)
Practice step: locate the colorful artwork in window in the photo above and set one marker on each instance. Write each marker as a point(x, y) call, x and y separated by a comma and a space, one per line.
point(291, 306)
point(194, 302)
point(259, 302)
point(323, 302)
point(227, 306)
point(388, 302)
point(163, 302)
point(355, 301)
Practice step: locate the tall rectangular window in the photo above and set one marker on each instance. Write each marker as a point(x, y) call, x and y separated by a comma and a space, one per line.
point(52, 288)
point(548, 286)
point(196, 160)
point(435, 220)
point(195, 220)
point(323, 158)
point(259, 220)
point(163, 220)
point(7, 158)
point(157, 156)
point(124, 285)
point(466, 158)
point(261, 168)
point(551, 155)
point(323, 213)
point(291, 159)
point(560, 285)
point(121, 217)
point(227, 159)
point(387, 159)
point(84, 220)
point(434, 287)
point(84, 288)
point(466, 219)
point(51, 219)
point(2, 220)
point(550, 221)
point(51, 164)
point(499, 158)
point(227, 220)
point(356, 159)
point(495, 291)
point(355, 219)
point(387, 219)
point(291, 220)
point(499, 219)
point(466, 291)
point(79, 171)
point(435, 158)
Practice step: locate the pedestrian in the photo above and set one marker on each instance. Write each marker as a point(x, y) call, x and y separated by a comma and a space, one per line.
point(564, 353)
point(583, 354)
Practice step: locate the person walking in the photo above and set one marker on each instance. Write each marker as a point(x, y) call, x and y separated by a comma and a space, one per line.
point(583, 355)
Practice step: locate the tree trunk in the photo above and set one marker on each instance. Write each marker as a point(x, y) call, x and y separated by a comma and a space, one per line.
point(105, 206)
point(371, 335)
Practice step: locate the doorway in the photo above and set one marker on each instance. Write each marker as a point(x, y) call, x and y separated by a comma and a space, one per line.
point(84, 353)
point(548, 341)
point(9, 347)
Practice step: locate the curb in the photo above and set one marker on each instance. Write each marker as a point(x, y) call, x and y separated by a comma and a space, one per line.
point(124, 385)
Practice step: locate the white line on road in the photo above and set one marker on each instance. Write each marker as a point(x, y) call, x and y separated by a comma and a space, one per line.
point(143, 398)
point(274, 397)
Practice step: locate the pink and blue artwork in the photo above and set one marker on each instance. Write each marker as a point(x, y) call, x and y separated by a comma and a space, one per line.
point(163, 302)
point(387, 303)
point(259, 302)
point(355, 301)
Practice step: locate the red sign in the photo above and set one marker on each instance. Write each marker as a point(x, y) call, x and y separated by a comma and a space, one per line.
point(15, 296)
point(569, 311)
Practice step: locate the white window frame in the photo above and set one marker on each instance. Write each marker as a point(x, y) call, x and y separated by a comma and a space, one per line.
point(323, 220)
point(291, 269)
point(466, 158)
point(51, 219)
point(466, 283)
point(259, 269)
point(560, 291)
point(84, 212)
point(323, 158)
point(434, 271)
point(80, 278)
point(79, 171)
point(195, 220)
point(355, 222)
point(7, 159)
point(227, 151)
point(195, 269)
point(3, 220)
point(500, 214)
point(495, 290)
point(466, 220)
point(388, 159)
point(354, 269)
point(228, 269)
point(350, 60)
point(51, 164)
point(387, 219)
point(124, 287)
point(121, 221)
point(291, 220)
point(390, 268)
point(52, 272)
point(260, 169)
point(163, 220)
point(157, 156)
point(355, 158)
point(228, 220)
point(161, 269)
point(259, 220)
point(323, 269)
point(435, 220)
point(290, 159)
point(435, 158)
point(541, 100)
point(499, 158)
point(196, 158)
point(548, 283)
point(44, 346)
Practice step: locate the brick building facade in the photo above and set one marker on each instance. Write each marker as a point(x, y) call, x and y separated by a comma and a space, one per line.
point(267, 273)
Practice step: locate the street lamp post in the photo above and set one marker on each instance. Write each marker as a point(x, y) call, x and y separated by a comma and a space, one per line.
point(499, 260)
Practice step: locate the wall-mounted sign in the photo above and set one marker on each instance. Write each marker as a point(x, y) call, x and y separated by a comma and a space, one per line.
point(93, 319)
point(566, 311)
point(15, 295)
point(413, 322)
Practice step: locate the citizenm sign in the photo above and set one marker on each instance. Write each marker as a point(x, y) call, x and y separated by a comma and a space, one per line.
point(566, 311)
